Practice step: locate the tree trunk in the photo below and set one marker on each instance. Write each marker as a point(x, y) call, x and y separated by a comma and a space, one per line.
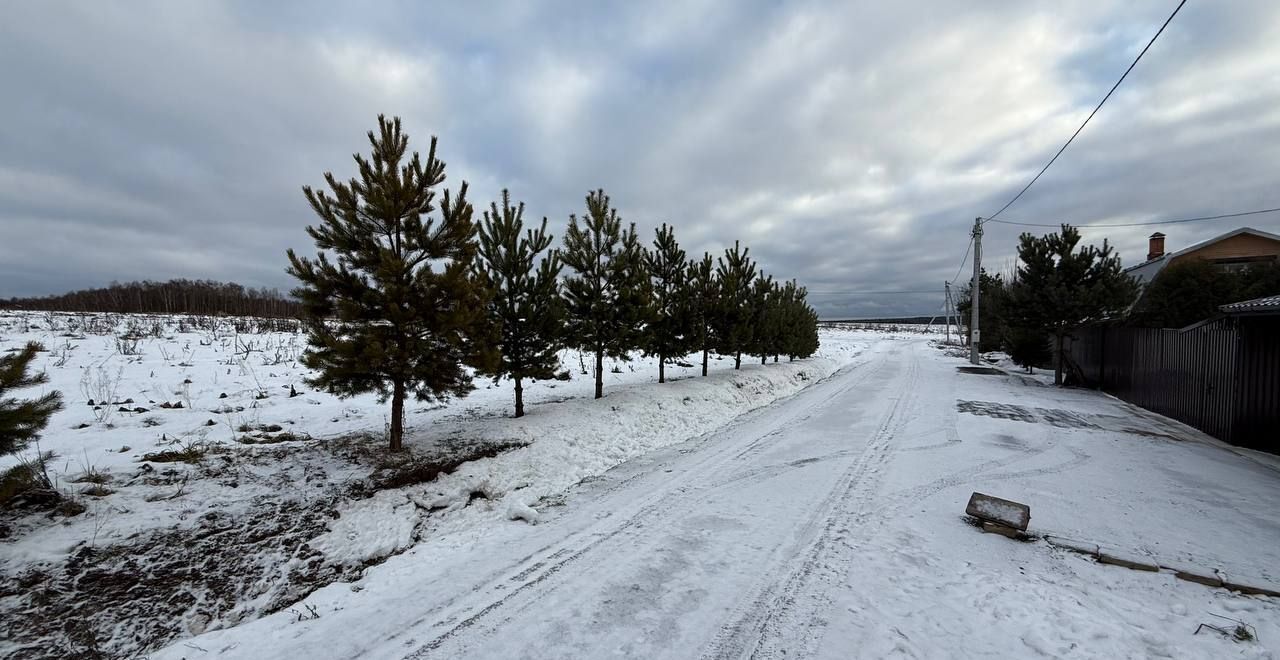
point(1057, 361)
point(764, 359)
point(397, 415)
point(704, 361)
point(519, 398)
point(599, 374)
point(737, 360)
point(775, 359)
point(662, 369)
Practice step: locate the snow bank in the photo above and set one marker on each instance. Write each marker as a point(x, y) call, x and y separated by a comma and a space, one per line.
point(518, 510)
point(577, 439)
point(368, 530)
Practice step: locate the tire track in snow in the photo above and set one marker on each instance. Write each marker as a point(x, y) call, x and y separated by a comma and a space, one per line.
point(515, 588)
point(786, 599)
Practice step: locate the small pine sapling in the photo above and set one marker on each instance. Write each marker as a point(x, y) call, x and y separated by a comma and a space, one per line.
point(667, 333)
point(702, 296)
point(607, 296)
point(735, 273)
point(524, 301)
point(21, 421)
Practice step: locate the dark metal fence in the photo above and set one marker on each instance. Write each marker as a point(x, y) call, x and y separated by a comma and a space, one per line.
point(1222, 377)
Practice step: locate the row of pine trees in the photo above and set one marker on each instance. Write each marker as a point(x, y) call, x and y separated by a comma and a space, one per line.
point(401, 303)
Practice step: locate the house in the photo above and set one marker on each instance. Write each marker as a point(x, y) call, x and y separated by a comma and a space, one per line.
point(1233, 250)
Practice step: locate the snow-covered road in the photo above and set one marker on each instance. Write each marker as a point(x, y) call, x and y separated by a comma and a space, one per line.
point(725, 547)
point(829, 525)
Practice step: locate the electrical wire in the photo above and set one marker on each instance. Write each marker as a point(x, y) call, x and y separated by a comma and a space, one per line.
point(1144, 224)
point(963, 261)
point(1091, 114)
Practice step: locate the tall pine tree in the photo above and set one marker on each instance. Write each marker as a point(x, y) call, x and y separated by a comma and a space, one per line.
point(666, 335)
point(702, 296)
point(525, 300)
point(735, 271)
point(22, 420)
point(763, 318)
point(607, 297)
point(1058, 288)
point(799, 323)
point(399, 310)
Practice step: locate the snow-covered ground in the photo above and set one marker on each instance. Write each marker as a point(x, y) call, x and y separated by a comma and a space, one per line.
point(831, 524)
point(807, 509)
point(219, 487)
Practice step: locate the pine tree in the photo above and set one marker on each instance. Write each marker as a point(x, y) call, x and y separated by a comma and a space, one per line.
point(667, 334)
point(1059, 288)
point(807, 342)
point(608, 296)
point(399, 310)
point(799, 323)
point(1027, 348)
point(994, 329)
point(781, 298)
point(735, 272)
point(764, 334)
point(702, 295)
point(22, 420)
point(525, 300)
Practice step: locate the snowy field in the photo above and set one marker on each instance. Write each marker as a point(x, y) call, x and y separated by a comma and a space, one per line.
point(218, 487)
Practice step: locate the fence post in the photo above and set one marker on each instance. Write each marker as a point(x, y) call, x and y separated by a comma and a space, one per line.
point(1102, 358)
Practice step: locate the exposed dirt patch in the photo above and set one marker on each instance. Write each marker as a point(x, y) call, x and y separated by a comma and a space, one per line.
point(406, 469)
point(1059, 418)
point(115, 600)
point(219, 567)
point(983, 371)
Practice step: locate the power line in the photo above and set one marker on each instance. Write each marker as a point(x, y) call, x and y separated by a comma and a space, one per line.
point(1091, 114)
point(963, 260)
point(1143, 224)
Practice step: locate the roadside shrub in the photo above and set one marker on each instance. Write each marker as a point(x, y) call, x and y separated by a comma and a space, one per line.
point(22, 421)
point(27, 484)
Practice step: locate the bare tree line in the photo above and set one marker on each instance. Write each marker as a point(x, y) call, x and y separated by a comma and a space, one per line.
point(179, 296)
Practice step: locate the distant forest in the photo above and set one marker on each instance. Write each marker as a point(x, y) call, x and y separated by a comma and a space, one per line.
point(173, 297)
point(919, 320)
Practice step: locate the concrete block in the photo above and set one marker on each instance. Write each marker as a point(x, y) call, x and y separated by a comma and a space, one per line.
point(1083, 547)
point(1192, 573)
point(999, 511)
point(1118, 558)
point(1248, 584)
point(1253, 589)
point(1201, 577)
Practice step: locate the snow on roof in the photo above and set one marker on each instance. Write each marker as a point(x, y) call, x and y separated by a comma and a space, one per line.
point(1268, 304)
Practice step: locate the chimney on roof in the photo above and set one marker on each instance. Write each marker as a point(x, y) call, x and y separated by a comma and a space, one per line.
point(1155, 247)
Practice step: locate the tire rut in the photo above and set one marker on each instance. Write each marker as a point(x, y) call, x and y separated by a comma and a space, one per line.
point(514, 588)
point(757, 624)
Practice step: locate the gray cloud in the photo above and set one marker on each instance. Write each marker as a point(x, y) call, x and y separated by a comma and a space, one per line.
point(849, 145)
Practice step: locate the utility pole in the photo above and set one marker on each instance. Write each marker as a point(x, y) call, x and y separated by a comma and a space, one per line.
point(975, 293)
point(946, 308)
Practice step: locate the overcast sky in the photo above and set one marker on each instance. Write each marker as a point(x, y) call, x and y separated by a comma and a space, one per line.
point(850, 145)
